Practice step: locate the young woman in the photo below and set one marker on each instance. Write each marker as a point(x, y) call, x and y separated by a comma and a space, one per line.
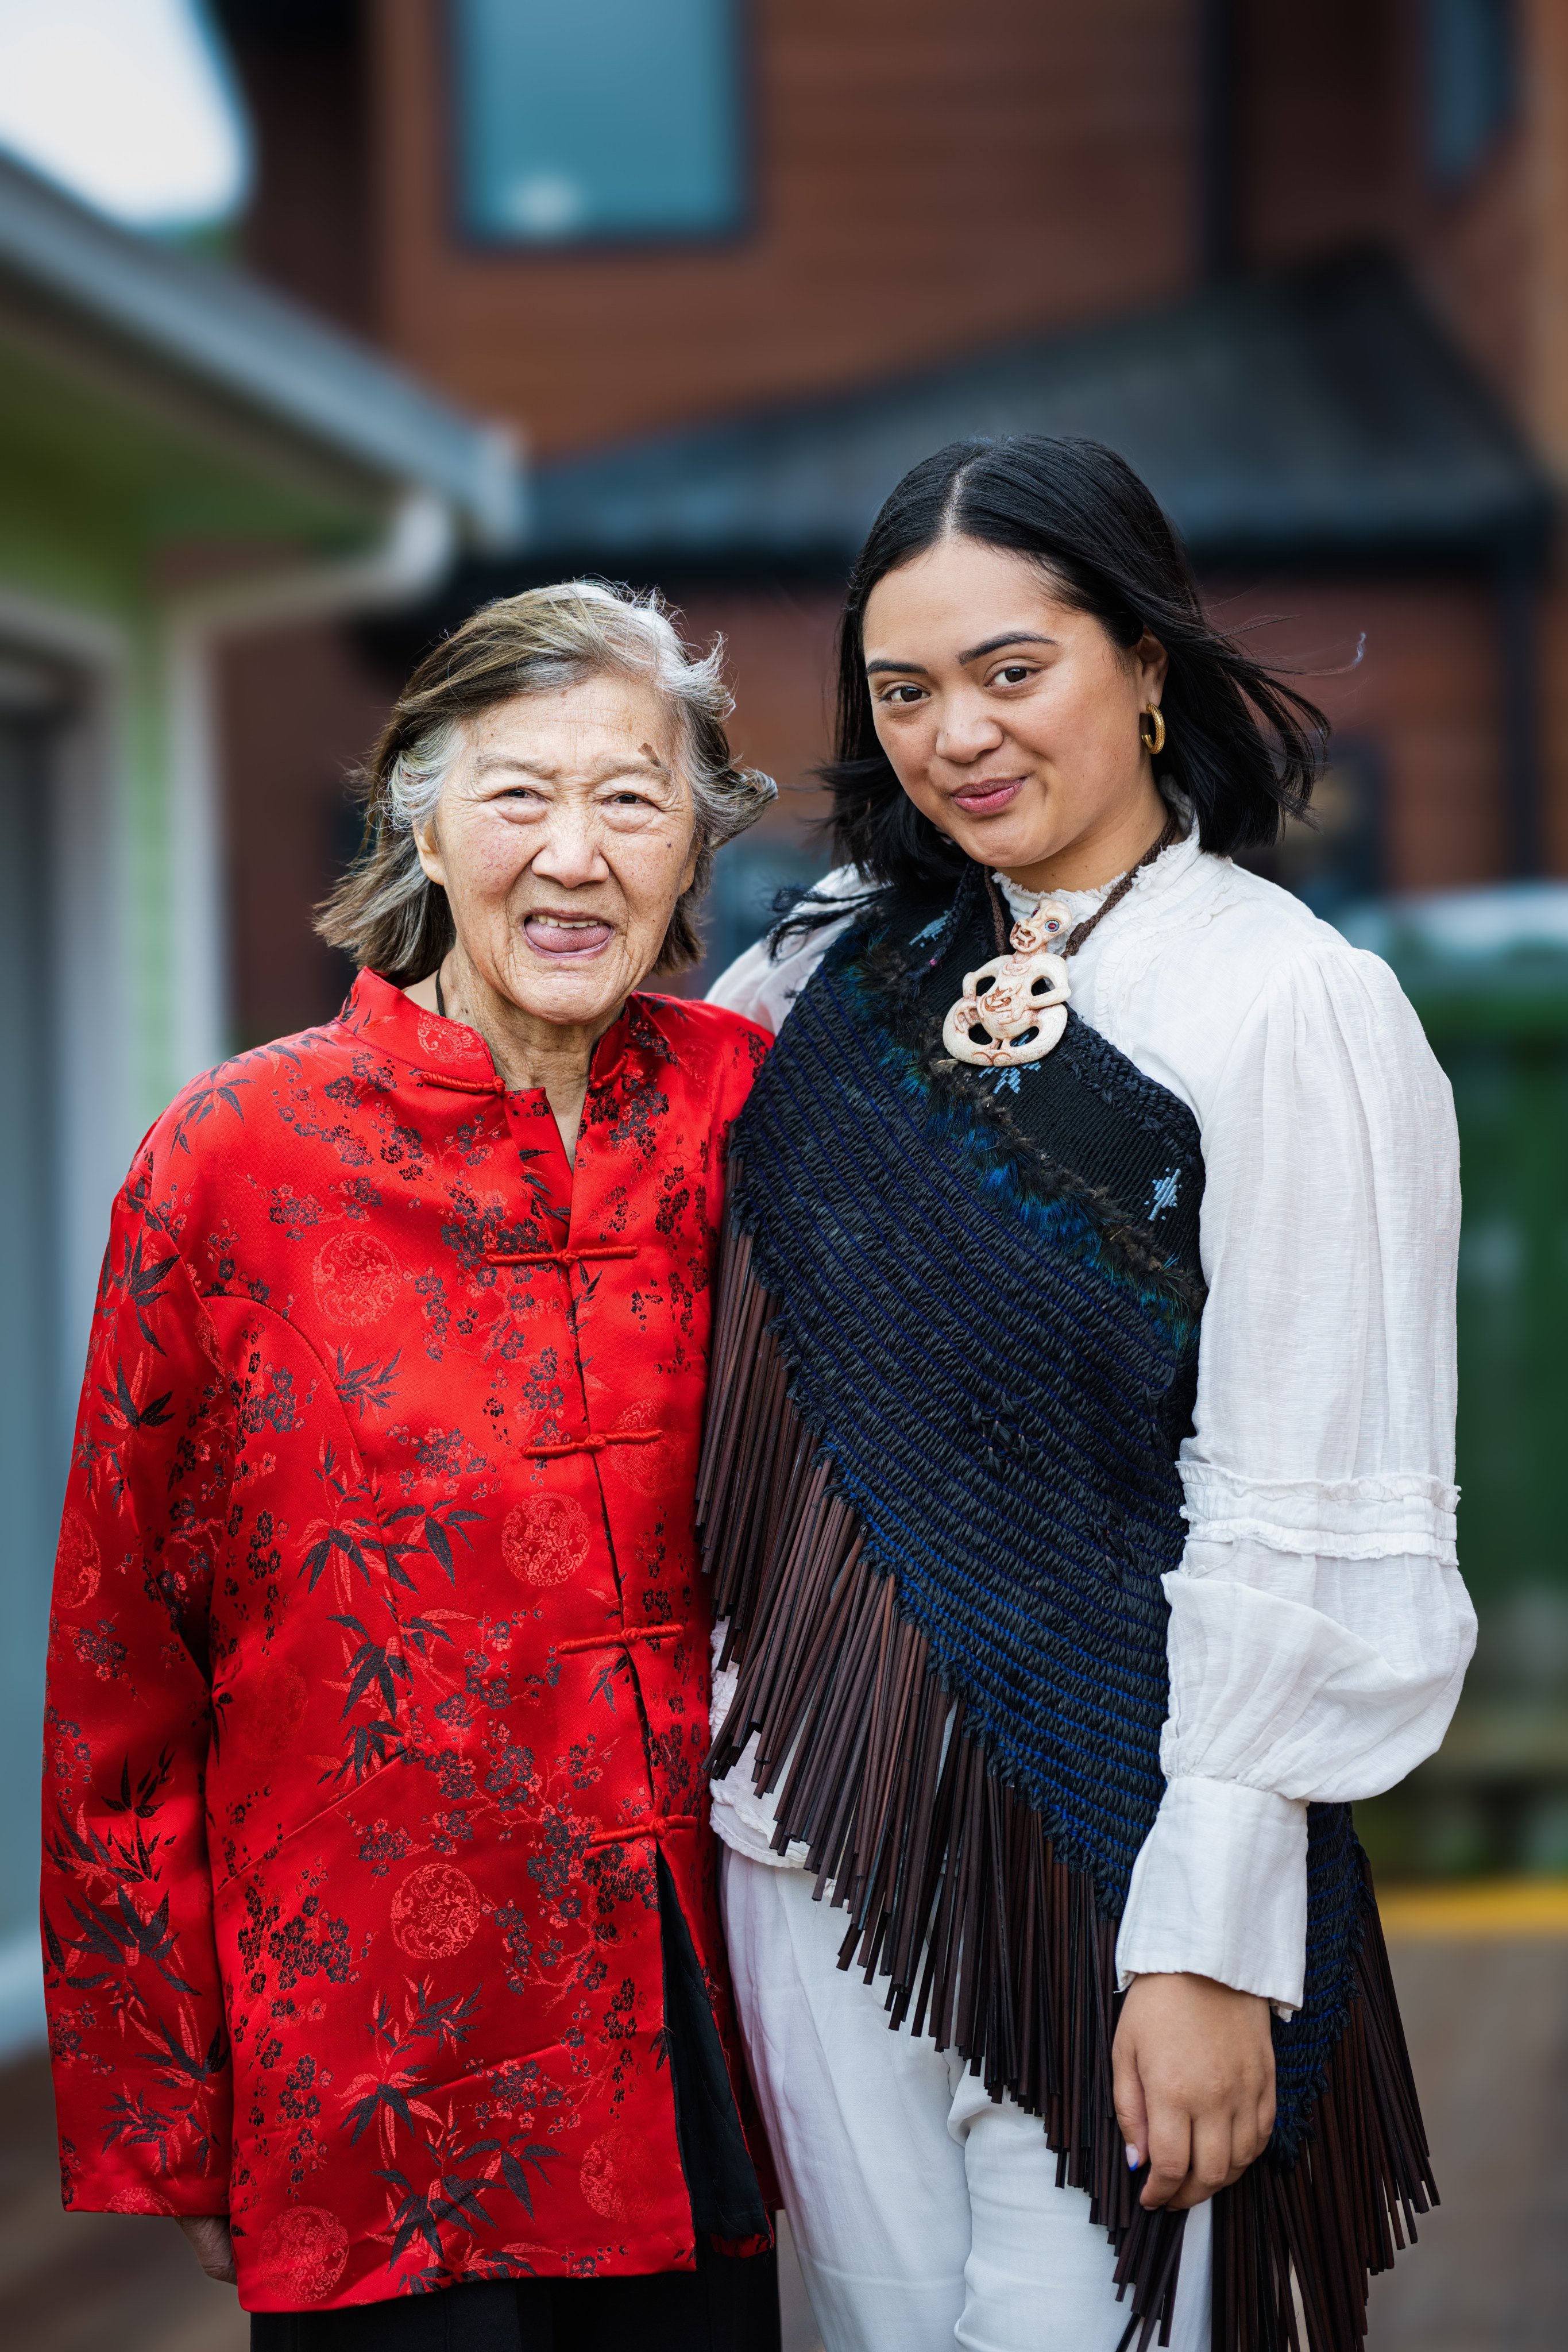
point(1079, 1481)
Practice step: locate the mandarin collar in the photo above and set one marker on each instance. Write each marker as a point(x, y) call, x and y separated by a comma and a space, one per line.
point(634, 1032)
point(385, 1017)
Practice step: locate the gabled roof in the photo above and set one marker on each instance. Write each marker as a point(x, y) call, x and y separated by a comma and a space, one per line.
point(1324, 413)
point(178, 318)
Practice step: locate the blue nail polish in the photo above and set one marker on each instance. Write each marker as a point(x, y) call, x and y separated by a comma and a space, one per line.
point(1132, 2157)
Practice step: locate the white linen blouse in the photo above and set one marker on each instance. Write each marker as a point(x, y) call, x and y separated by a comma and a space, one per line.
point(1318, 1630)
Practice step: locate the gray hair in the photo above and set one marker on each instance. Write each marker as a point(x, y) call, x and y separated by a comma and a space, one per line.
point(386, 913)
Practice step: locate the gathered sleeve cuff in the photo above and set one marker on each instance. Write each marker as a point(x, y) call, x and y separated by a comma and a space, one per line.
point(1219, 1889)
point(1405, 1512)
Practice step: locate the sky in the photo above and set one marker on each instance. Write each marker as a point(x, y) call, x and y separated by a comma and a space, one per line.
point(126, 103)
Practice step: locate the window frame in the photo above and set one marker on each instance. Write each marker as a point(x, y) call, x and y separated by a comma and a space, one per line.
point(1449, 176)
point(498, 245)
point(1362, 754)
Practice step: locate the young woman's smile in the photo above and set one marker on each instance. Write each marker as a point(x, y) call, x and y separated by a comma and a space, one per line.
point(988, 796)
point(1010, 718)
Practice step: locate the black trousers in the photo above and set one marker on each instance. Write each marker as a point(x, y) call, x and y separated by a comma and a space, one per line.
point(726, 2304)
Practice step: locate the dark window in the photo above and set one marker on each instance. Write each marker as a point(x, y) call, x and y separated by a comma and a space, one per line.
point(748, 876)
point(594, 119)
point(1339, 860)
point(1469, 83)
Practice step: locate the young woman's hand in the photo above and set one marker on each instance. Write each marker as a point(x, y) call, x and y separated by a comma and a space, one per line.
point(211, 2244)
point(1194, 2085)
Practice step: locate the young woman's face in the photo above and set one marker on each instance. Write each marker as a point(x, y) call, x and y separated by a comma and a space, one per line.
point(1011, 720)
point(562, 838)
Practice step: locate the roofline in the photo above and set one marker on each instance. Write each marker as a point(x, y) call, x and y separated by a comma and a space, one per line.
point(1510, 531)
point(261, 351)
point(1520, 538)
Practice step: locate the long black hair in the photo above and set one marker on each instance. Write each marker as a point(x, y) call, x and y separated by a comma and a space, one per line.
point(1242, 747)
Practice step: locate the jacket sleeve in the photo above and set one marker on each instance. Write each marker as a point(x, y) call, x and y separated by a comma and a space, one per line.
point(1319, 1630)
point(136, 2012)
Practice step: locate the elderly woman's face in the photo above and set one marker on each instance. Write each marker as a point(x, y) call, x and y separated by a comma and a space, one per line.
point(564, 837)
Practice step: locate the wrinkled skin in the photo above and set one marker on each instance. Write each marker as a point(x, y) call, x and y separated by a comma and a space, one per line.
point(564, 839)
point(210, 2243)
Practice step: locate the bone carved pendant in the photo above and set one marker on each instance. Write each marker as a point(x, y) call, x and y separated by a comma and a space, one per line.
point(1014, 1008)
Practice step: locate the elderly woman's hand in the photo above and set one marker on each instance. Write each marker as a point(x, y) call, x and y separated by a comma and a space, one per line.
point(211, 2244)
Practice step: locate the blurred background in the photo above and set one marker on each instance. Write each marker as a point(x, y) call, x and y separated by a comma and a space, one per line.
point(321, 321)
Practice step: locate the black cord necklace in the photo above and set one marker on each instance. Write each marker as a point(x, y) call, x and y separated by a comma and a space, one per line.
point(1169, 831)
point(1001, 921)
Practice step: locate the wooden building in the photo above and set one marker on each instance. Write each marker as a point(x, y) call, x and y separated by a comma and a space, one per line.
point(729, 264)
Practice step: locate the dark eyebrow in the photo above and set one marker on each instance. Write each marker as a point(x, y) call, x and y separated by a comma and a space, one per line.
point(1011, 637)
point(992, 646)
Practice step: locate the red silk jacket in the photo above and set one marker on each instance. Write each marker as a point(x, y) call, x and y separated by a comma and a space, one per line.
point(378, 1667)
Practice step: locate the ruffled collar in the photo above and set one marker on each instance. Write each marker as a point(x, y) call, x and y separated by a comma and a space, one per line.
point(1168, 868)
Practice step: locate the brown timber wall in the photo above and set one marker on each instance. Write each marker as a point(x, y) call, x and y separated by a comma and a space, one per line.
point(924, 183)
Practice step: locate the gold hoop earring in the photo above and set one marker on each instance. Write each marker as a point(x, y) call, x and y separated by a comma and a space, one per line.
point(1151, 729)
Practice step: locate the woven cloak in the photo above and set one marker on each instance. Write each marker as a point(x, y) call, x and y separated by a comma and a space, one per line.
point(954, 1354)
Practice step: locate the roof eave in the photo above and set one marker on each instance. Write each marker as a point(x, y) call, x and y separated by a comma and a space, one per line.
point(255, 349)
point(780, 484)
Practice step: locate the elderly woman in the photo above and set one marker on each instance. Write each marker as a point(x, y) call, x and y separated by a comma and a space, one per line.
point(379, 1906)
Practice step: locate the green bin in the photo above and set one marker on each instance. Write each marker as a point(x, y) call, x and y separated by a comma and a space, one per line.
point(1487, 971)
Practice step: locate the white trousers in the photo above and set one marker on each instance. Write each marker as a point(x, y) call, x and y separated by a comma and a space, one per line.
point(925, 2214)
